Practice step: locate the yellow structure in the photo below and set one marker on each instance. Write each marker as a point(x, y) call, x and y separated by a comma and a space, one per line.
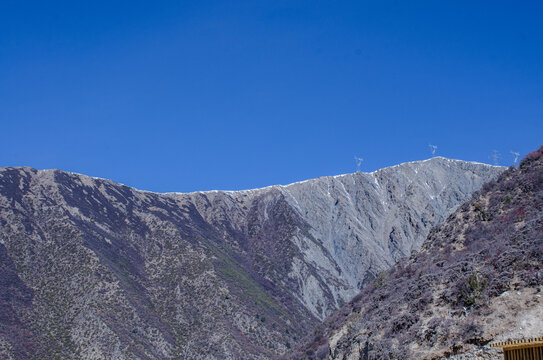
point(527, 349)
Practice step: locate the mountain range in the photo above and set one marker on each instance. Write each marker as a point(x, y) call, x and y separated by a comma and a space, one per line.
point(93, 269)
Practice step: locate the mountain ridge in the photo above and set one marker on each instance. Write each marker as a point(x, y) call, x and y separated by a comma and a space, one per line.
point(115, 270)
point(477, 278)
point(267, 186)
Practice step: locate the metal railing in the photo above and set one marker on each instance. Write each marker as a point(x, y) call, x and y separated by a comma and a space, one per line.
point(525, 349)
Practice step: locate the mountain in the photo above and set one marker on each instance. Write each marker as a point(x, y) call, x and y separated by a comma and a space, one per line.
point(94, 269)
point(477, 278)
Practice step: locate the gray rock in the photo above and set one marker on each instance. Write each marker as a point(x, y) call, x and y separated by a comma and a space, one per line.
point(475, 281)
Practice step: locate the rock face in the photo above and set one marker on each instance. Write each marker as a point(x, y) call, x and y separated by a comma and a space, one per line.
point(477, 278)
point(94, 269)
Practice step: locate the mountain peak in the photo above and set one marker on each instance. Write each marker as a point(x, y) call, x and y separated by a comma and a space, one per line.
point(476, 279)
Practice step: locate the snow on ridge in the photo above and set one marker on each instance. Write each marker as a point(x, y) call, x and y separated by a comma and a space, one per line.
point(332, 177)
point(280, 186)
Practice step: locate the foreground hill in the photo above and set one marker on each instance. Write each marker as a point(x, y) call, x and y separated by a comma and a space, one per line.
point(94, 269)
point(477, 278)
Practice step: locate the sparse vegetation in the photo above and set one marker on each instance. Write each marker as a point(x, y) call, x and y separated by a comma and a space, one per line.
point(98, 267)
point(436, 298)
point(474, 287)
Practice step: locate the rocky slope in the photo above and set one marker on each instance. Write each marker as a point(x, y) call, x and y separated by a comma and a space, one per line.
point(477, 278)
point(94, 269)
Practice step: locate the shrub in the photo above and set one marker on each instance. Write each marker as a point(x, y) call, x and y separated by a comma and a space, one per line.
point(533, 156)
point(473, 289)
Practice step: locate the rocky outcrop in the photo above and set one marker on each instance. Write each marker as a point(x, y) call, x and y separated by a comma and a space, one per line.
point(477, 278)
point(95, 269)
point(362, 223)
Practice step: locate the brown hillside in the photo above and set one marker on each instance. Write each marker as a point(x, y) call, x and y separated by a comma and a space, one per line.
point(477, 278)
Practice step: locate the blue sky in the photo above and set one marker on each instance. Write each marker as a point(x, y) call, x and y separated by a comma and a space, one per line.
point(184, 96)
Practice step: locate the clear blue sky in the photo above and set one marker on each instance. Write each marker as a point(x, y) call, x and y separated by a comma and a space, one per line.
point(183, 96)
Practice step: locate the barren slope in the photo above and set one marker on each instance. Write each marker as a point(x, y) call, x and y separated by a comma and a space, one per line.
point(95, 269)
point(477, 278)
